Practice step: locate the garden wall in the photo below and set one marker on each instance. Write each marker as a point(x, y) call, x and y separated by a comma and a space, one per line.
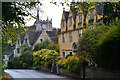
point(99, 73)
point(43, 68)
point(90, 73)
point(70, 74)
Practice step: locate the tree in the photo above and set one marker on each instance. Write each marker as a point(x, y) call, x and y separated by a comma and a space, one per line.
point(88, 41)
point(46, 45)
point(53, 46)
point(102, 45)
point(42, 45)
point(25, 49)
point(111, 12)
point(108, 48)
point(13, 23)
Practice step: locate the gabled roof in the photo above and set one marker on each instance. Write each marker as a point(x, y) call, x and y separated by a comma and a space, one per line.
point(31, 28)
point(74, 13)
point(9, 49)
point(53, 36)
point(66, 14)
point(22, 38)
point(33, 36)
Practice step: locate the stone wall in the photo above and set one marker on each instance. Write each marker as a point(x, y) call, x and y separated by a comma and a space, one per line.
point(43, 68)
point(99, 73)
point(70, 74)
point(90, 73)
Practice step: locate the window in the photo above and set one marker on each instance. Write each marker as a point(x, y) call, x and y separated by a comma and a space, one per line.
point(18, 42)
point(41, 40)
point(70, 36)
point(25, 40)
point(80, 18)
point(62, 23)
point(70, 53)
point(63, 54)
point(91, 14)
point(70, 21)
point(18, 50)
point(79, 33)
point(63, 38)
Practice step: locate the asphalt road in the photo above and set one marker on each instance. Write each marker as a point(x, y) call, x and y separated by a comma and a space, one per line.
point(20, 74)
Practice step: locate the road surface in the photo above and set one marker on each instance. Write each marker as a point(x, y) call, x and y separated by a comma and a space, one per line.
point(20, 74)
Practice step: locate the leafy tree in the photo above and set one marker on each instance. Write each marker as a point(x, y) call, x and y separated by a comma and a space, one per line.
point(13, 23)
point(88, 41)
point(53, 46)
point(42, 45)
point(25, 49)
point(24, 61)
point(101, 44)
point(111, 12)
point(108, 48)
point(46, 45)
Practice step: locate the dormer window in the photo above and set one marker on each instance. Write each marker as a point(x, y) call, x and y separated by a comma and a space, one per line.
point(91, 14)
point(79, 18)
point(62, 23)
point(70, 21)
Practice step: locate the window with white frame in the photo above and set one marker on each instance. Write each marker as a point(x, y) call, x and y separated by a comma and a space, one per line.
point(70, 21)
point(79, 33)
point(63, 54)
point(63, 38)
point(70, 53)
point(70, 36)
point(62, 23)
point(91, 14)
point(79, 18)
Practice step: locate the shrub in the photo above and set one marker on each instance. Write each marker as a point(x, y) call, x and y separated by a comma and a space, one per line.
point(102, 45)
point(25, 48)
point(44, 57)
point(24, 61)
point(53, 46)
point(108, 48)
point(72, 63)
point(46, 45)
point(42, 45)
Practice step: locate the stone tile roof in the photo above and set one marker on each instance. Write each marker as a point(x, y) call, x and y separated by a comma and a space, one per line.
point(9, 49)
point(33, 36)
point(22, 38)
point(53, 36)
point(31, 28)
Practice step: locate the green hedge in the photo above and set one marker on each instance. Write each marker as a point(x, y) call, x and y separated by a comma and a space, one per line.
point(102, 45)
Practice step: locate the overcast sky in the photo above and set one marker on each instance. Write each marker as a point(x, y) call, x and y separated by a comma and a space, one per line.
point(52, 11)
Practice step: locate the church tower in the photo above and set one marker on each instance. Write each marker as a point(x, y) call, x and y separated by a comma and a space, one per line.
point(42, 24)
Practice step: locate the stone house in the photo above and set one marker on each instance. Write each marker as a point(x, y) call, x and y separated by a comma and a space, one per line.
point(40, 31)
point(72, 27)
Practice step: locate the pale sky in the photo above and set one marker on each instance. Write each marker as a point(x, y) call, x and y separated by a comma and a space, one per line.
point(52, 11)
